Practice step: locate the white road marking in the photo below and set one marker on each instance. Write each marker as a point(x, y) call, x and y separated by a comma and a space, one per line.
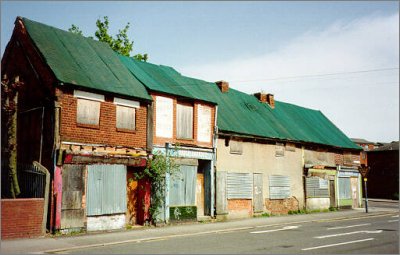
point(350, 233)
point(352, 226)
point(392, 220)
point(337, 244)
point(275, 230)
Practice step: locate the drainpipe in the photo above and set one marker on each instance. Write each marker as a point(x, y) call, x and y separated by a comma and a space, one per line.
point(41, 137)
point(337, 186)
point(214, 165)
point(166, 200)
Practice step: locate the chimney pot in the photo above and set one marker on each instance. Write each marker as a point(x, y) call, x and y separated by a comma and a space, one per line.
point(223, 86)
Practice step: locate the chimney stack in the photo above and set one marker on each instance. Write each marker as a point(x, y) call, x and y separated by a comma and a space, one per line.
point(262, 97)
point(270, 100)
point(223, 86)
point(266, 98)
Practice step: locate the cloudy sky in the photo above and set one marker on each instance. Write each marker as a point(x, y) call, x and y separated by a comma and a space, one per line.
point(338, 57)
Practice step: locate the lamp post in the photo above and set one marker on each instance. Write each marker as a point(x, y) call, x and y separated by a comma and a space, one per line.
point(366, 195)
point(363, 169)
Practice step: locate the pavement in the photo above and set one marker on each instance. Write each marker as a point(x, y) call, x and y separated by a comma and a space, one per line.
point(52, 244)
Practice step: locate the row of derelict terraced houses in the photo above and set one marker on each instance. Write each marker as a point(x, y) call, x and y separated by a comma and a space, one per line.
point(93, 118)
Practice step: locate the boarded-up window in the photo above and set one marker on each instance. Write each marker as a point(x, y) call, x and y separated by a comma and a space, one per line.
point(184, 121)
point(344, 188)
point(279, 186)
point(239, 186)
point(88, 107)
point(236, 147)
point(182, 190)
point(317, 187)
point(204, 123)
point(164, 117)
point(106, 189)
point(279, 150)
point(126, 113)
point(348, 159)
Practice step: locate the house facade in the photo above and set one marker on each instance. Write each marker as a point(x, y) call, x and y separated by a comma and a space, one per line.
point(184, 120)
point(93, 118)
point(274, 157)
point(87, 127)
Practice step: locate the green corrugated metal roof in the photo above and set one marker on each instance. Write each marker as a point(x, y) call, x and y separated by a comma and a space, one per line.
point(165, 79)
point(93, 64)
point(242, 113)
point(82, 61)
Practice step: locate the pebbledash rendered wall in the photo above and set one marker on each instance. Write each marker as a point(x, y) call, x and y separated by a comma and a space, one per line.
point(259, 158)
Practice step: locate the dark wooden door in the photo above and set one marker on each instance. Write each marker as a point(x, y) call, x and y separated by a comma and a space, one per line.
point(332, 193)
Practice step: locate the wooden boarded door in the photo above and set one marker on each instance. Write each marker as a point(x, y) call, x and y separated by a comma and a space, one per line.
point(258, 200)
point(73, 196)
point(200, 194)
point(332, 194)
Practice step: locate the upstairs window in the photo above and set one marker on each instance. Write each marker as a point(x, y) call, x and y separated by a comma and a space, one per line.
point(88, 107)
point(184, 121)
point(126, 114)
point(236, 147)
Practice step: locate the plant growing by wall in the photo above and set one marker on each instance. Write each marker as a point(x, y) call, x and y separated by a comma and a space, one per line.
point(156, 171)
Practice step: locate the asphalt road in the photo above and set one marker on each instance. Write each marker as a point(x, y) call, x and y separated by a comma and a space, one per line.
point(378, 234)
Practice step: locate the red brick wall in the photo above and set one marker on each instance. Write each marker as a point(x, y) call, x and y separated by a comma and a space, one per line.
point(161, 140)
point(281, 206)
point(237, 205)
point(106, 133)
point(21, 218)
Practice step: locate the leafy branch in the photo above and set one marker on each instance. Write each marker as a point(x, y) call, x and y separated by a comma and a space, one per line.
point(120, 44)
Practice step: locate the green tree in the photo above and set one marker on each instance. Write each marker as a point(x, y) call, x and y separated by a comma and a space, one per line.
point(74, 29)
point(120, 43)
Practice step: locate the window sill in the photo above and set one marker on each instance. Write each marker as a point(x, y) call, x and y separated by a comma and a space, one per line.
point(125, 130)
point(185, 139)
point(91, 126)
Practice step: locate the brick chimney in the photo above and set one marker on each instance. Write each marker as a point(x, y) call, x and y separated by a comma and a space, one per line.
point(266, 98)
point(270, 100)
point(262, 97)
point(223, 86)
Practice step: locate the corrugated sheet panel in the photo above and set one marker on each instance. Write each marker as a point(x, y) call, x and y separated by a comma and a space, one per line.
point(239, 185)
point(279, 186)
point(344, 188)
point(82, 61)
point(106, 191)
point(182, 191)
point(317, 187)
point(167, 80)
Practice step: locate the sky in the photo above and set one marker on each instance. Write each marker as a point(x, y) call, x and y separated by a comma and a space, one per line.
point(341, 58)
